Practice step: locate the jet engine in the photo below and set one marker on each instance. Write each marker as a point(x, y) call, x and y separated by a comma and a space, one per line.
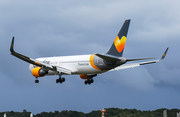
point(38, 72)
point(83, 76)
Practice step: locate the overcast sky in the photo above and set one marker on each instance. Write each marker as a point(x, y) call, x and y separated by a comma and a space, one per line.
point(45, 28)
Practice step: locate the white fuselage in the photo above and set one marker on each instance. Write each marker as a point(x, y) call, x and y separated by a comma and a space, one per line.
point(79, 64)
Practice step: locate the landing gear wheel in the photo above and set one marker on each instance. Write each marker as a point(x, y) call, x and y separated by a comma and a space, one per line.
point(63, 79)
point(92, 80)
point(60, 80)
point(57, 81)
point(36, 81)
point(89, 81)
point(85, 82)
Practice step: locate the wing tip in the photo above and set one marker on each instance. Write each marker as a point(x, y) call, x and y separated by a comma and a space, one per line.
point(164, 55)
point(12, 45)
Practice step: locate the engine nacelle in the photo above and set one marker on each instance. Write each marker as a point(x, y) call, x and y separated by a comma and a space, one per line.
point(38, 72)
point(83, 76)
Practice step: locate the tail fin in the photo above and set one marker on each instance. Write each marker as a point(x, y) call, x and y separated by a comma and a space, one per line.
point(119, 42)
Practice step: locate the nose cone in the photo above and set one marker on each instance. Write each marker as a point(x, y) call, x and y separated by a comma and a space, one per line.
point(31, 67)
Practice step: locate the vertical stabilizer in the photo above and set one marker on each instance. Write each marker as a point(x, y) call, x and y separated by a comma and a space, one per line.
point(120, 40)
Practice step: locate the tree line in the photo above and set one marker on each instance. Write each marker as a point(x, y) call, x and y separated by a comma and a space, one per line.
point(110, 112)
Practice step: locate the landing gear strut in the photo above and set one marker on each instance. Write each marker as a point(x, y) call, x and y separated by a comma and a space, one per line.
point(89, 80)
point(60, 80)
point(36, 81)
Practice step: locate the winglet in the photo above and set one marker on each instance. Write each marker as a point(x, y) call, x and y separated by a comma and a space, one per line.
point(163, 56)
point(22, 57)
point(12, 45)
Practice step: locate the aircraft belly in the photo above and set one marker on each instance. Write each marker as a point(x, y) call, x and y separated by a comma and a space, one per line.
point(88, 71)
point(50, 72)
point(80, 70)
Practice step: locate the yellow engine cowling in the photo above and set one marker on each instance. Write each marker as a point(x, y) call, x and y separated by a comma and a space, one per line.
point(38, 72)
point(83, 76)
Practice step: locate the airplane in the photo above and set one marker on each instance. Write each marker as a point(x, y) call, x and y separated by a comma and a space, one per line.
point(86, 66)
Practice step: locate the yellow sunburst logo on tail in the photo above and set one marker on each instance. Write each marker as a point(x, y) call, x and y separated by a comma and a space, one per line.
point(120, 43)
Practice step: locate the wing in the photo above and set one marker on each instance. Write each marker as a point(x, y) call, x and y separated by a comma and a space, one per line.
point(38, 63)
point(125, 66)
point(111, 58)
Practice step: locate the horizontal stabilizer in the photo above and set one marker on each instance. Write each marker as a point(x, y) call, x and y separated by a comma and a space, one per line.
point(108, 58)
point(125, 66)
point(140, 59)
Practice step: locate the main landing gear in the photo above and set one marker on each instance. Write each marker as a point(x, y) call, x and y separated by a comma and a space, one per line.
point(89, 80)
point(60, 80)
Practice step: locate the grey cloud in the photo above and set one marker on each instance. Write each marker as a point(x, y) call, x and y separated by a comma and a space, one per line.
point(52, 28)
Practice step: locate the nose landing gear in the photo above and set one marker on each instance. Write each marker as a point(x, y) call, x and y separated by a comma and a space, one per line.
point(36, 81)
